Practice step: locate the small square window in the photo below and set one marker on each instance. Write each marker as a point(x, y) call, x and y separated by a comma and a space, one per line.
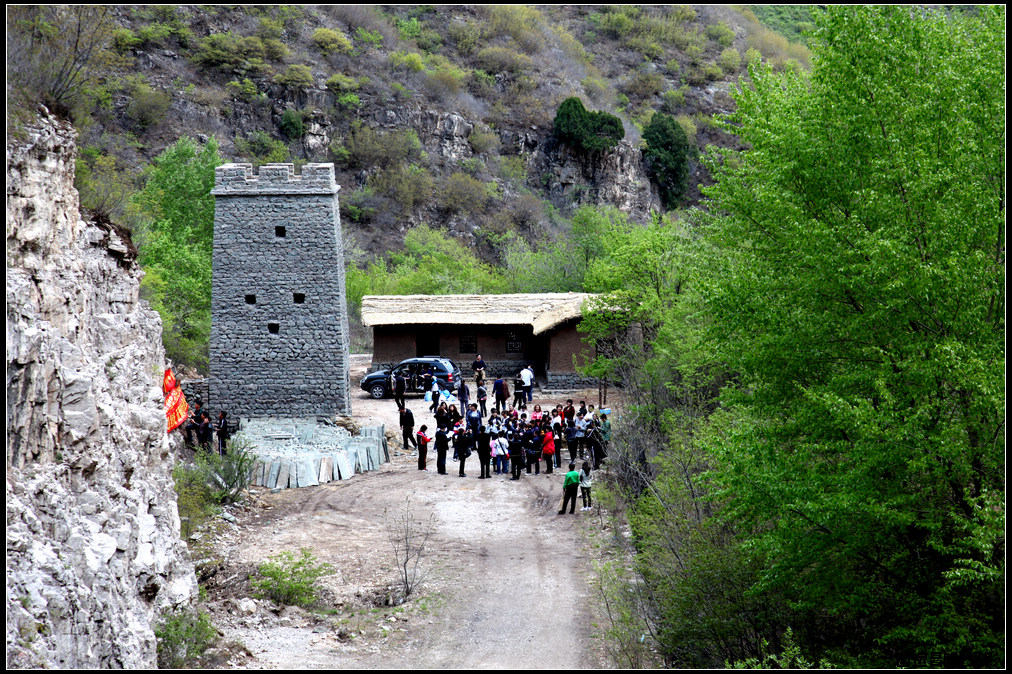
point(251, 299)
point(514, 343)
point(468, 342)
point(299, 298)
point(274, 328)
point(280, 231)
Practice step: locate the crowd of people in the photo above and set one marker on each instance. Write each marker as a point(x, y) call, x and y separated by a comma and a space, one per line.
point(513, 438)
point(210, 435)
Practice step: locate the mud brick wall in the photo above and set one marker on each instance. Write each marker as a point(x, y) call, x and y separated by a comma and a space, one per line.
point(279, 327)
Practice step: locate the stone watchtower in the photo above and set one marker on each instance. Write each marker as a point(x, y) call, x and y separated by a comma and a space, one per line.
point(279, 321)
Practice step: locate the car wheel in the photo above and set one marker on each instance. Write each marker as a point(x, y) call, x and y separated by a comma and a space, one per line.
point(378, 391)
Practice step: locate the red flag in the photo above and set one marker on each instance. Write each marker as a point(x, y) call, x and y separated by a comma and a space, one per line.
point(176, 408)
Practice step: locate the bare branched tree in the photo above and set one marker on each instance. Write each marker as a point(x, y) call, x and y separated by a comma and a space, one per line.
point(409, 538)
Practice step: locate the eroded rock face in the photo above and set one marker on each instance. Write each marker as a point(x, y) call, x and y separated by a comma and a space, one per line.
point(93, 548)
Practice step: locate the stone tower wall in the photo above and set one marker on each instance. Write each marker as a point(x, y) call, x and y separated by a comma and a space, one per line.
point(279, 330)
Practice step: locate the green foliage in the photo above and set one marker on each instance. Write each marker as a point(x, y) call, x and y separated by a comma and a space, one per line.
point(463, 194)
point(483, 141)
point(123, 39)
point(369, 147)
point(410, 60)
point(795, 22)
point(229, 51)
point(585, 130)
point(431, 263)
point(519, 22)
point(194, 497)
point(370, 38)
point(104, 187)
point(720, 33)
point(56, 54)
point(295, 75)
point(291, 124)
point(348, 101)
point(183, 635)
point(175, 212)
point(339, 83)
point(260, 148)
point(408, 185)
point(644, 84)
point(147, 106)
point(789, 658)
point(211, 481)
point(288, 580)
point(729, 60)
point(503, 60)
point(674, 99)
point(667, 154)
point(857, 286)
point(409, 29)
point(245, 90)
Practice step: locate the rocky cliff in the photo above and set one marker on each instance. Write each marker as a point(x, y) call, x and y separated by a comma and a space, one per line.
point(93, 550)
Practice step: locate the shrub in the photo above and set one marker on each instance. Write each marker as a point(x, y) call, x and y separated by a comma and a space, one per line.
point(503, 59)
point(330, 41)
point(183, 636)
point(520, 23)
point(245, 90)
point(371, 38)
point(673, 99)
point(290, 581)
point(368, 147)
point(148, 106)
point(407, 185)
point(123, 39)
point(712, 72)
point(483, 141)
point(348, 101)
point(729, 60)
point(462, 193)
point(295, 75)
point(586, 130)
point(339, 83)
point(407, 61)
point(261, 148)
point(720, 33)
point(645, 84)
point(409, 29)
point(103, 188)
point(467, 35)
point(291, 124)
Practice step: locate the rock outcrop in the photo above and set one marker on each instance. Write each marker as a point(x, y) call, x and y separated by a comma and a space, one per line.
point(93, 548)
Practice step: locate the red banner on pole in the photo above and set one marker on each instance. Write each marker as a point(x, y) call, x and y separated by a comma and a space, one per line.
point(176, 408)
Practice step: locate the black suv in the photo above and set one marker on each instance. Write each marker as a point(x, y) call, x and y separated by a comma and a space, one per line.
point(379, 385)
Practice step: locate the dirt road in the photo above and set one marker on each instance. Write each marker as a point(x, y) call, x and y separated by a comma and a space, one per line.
point(507, 577)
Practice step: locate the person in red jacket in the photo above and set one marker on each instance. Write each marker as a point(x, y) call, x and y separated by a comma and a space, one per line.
point(423, 441)
point(548, 449)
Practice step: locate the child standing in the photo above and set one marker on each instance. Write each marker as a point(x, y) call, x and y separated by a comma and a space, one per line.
point(585, 485)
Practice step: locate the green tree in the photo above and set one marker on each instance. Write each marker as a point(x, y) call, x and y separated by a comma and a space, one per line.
point(667, 154)
point(175, 210)
point(586, 130)
point(856, 285)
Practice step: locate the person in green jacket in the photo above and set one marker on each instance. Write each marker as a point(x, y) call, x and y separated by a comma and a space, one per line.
point(569, 485)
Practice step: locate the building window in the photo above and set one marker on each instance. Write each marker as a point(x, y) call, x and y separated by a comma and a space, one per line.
point(514, 344)
point(299, 298)
point(274, 328)
point(468, 342)
point(251, 299)
point(280, 231)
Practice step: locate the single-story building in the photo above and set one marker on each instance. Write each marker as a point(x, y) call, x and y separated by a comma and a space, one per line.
point(509, 331)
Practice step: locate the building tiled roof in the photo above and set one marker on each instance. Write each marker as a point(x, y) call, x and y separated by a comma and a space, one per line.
point(542, 311)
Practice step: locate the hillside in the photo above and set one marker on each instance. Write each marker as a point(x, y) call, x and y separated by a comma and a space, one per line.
point(433, 114)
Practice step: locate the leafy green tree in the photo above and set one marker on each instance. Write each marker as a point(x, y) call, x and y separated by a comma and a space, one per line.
point(586, 130)
point(856, 285)
point(667, 154)
point(175, 210)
